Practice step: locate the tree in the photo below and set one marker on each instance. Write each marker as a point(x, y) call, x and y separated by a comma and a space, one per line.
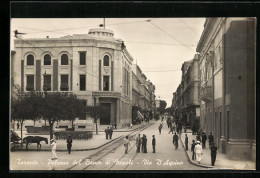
point(74, 107)
point(23, 108)
point(96, 112)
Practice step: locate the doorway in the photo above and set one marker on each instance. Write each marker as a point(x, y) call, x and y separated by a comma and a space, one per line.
point(106, 113)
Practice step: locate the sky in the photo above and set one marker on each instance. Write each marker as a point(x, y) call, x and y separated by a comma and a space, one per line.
point(158, 45)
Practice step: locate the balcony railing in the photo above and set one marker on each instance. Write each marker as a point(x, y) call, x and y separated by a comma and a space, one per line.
point(206, 93)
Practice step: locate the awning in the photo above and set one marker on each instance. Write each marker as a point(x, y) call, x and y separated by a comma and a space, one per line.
point(140, 115)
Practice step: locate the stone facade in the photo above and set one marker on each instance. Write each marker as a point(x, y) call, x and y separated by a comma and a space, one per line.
point(186, 98)
point(143, 96)
point(94, 66)
point(227, 84)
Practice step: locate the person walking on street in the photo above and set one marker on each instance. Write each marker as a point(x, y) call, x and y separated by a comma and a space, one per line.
point(53, 149)
point(110, 133)
point(153, 143)
point(138, 143)
point(213, 152)
point(126, 144)
point(186, 141)
point(107, 132)
point(160, 128)
point(204, 138)
point(175, 140)
point(211, 139)
point(198, 137)
point(192, 150)
point(142, 143)
point(116, 126)
point(198, 151)
point(145, 144)
point(171, 129)
point(69, 144)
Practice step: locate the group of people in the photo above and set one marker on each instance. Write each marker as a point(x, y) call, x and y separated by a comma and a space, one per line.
point(109, 132)
point(197, 148)
point(141, 143)
point(54, 146)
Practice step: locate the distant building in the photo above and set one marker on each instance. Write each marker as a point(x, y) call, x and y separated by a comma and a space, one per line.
point(227, 84)
point(95, 66)
point(186, 98)
point(143, 97)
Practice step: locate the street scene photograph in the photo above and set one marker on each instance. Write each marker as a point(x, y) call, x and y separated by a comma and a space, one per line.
point(132, 94)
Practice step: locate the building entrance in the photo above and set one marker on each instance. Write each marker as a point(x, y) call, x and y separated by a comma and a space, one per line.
point(106, 115)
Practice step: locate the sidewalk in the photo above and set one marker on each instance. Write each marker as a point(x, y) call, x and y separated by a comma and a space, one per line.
point(222, 162)
point(80, 145)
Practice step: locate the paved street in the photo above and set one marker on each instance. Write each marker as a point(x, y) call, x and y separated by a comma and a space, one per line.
point(165, 158)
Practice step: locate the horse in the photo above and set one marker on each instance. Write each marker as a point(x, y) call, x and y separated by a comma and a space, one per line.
point(34, 139)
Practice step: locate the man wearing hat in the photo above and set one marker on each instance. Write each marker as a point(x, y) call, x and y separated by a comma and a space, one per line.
point(198, 151)
point(53, 149)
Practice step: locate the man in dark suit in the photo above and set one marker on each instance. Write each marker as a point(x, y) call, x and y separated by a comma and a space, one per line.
point(211, 139)
point(106, 132)
point(111, 132)
point(153, 143)
point(69, 143)
point(213, 152)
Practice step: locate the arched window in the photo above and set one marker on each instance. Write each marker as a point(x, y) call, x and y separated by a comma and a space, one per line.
point(106, 60)
point(47, 59)
point(30, 60)
point(64, 59)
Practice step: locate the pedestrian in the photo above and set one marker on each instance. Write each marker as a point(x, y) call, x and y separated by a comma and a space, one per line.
point(126, 144)
point(213, 151)
point(160, 128)
point(110, 133)
point(192, 149)
point(116, 126)
point(186, 141)
point(107, 132)
point(198, 151)
point(69, 143)
point(138, 143)
point(175, 140)
point(145, 144)
point(142, 143)
point(53, 149)
point(131, 125)
point(18, 125)
point(171, 130)
point(198, 137)
point(211, 139)
point(153, 143)
point(204, 138)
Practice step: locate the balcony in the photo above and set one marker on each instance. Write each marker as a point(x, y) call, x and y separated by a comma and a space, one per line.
point(206, 93)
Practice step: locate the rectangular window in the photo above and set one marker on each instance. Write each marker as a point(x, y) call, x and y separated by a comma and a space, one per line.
point(106, 83)
point(47, 83)
point(82, 58)
point(64, 83)
point(82, 82)
point(81, 126)
point(63, 127)
point(30, 83)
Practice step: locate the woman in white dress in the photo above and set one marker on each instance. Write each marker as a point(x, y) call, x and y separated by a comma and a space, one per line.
point(198, 151)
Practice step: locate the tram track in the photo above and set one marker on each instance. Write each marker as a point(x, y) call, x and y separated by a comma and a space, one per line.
point(107, 149)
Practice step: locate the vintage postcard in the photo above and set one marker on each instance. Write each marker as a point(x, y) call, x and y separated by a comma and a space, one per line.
point(132, 93)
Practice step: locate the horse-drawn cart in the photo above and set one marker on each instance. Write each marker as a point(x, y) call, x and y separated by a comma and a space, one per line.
point(16, 141)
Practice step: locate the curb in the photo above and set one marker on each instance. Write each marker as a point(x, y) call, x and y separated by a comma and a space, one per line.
point(199, 165)
point(88, 149)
